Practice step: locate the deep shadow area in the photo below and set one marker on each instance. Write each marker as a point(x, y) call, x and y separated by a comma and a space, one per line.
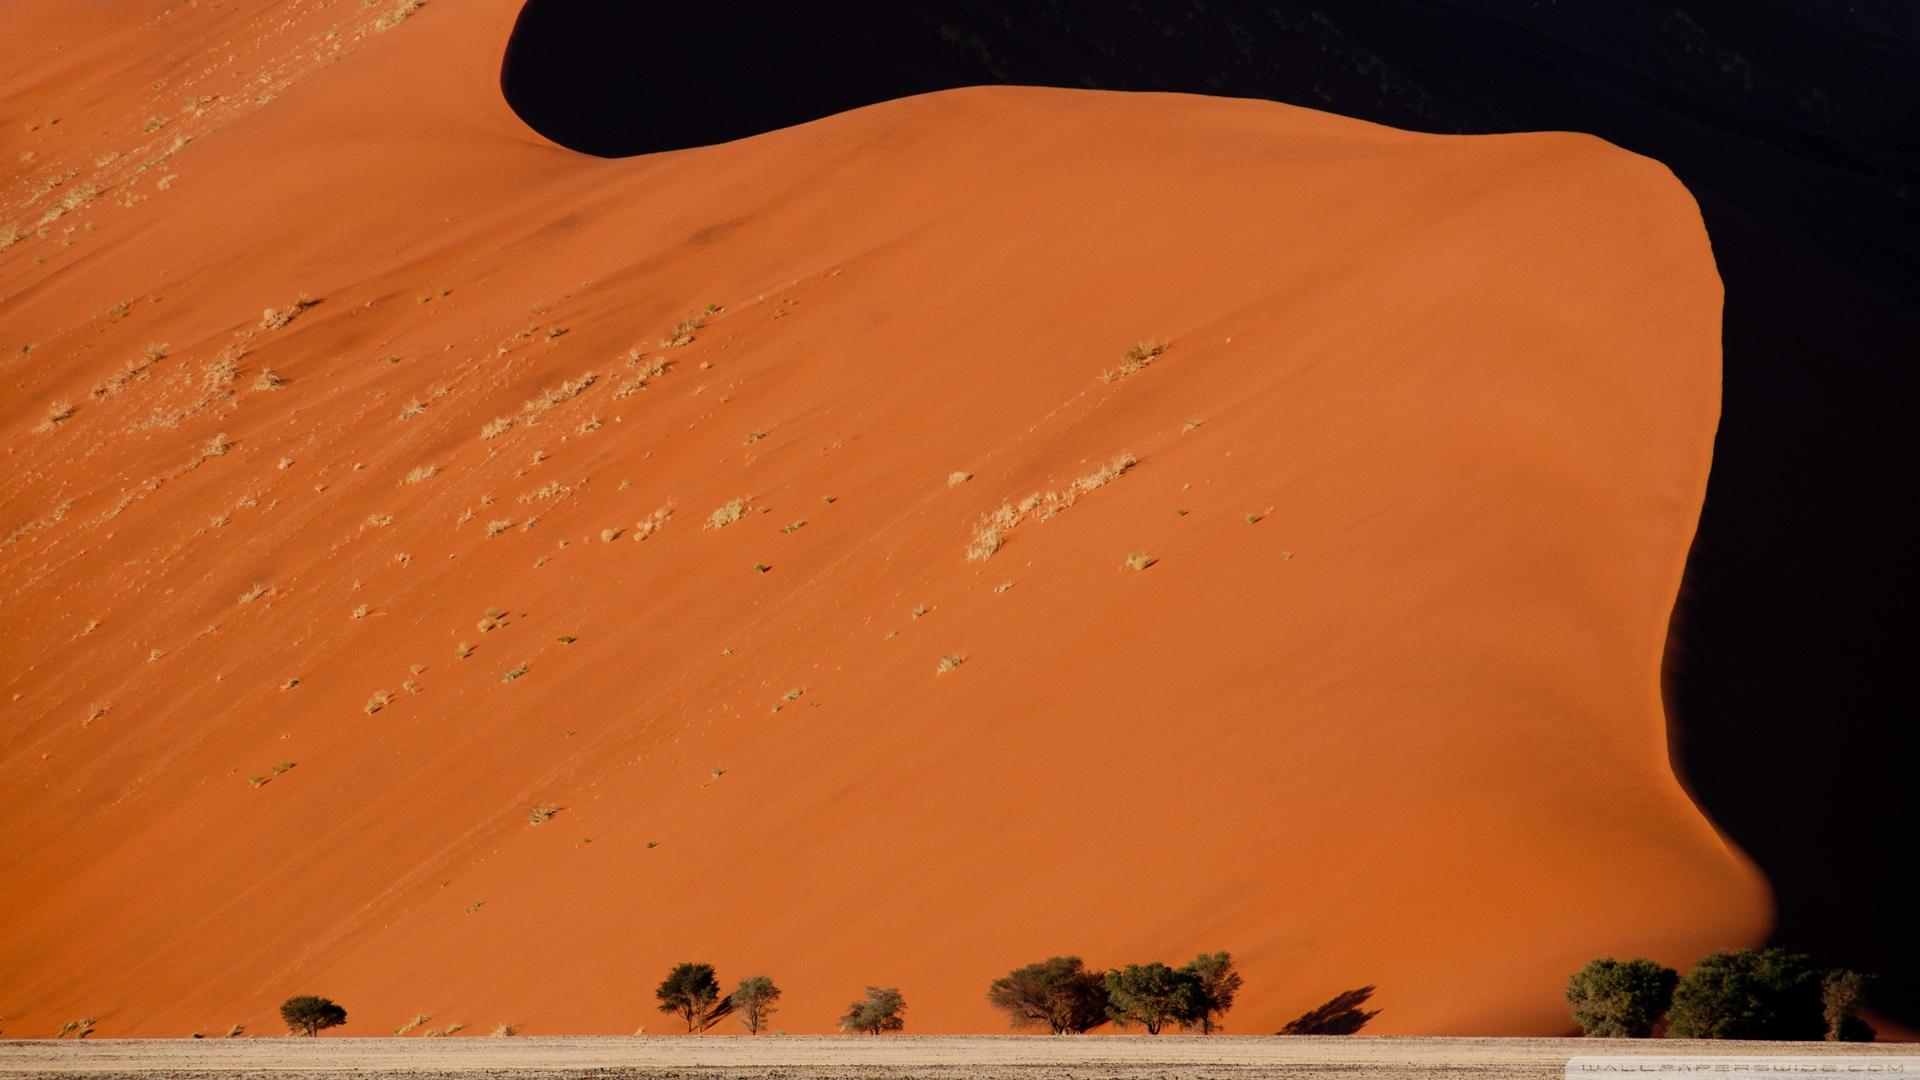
point(1795, 124)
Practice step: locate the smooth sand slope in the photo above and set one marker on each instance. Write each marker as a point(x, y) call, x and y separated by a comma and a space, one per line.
point(1417, 471)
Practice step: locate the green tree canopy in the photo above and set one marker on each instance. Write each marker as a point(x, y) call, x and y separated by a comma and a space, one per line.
point(1744, 994)
point(1212, 982)
point(692, 993)
point(307, 1014)
point(1843, 994)
point(1058, 993)
point(1620, 999)
point(876, 1014)
point(753, 1000)
point(1151, 995)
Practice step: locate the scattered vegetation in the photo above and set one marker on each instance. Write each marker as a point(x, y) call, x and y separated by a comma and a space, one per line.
point(958, 477)
point(306, 1014)
point(420, 474)
point(397, 14)
point(542, 813)
point(949, 662)
point(681, 334)
point(878, 1013)
point(504, 1030)
point(1194, 996)
point(495, 427)
point(1139, 560)
point(254, 592)
point(58, 412)
point(418, 1019)
point(380, 700)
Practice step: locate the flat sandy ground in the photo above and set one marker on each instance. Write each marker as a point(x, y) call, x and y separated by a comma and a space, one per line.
point(958, 1057)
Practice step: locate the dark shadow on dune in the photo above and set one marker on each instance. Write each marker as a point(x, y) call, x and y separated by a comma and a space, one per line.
point(1342, 1014)
point(1791, 121)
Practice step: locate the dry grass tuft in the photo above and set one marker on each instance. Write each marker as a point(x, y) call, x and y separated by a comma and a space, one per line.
point(958, 477)
point(498, 526)
point(1135, 360)
point(948, 663)
point(496, 427)
point(1139, 560)
point(726, 514)
point(681, 334)
point(649, 525)
point(542, 813)
point(991, 530)
point(268, 379)
point(505, 1030)
point(420, 474)
point(255, 592)
point(559, 395)
point(277, 318)
point(58, 413)
point(380, 700)
point(418, 1019)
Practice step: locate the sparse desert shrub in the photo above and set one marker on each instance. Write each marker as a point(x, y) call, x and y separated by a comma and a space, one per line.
point(306, 1014)
point(420, 474)
point(513, 673)
point(681, 334)
point(692, 993)
point(418, 1019)
point(1620, 999)
point(1343, 1014)
point(495, 427)
point(411, 409)
point(235, 1031)
point(380, 700)
point(217, 446)
point(277, 318)
point(557, 395)
point(753, 1001)
point(1843, 994)
point(58, 412)
point(253, 592)
point(398, 14)
point(949, 662)
point(268, 379)
point(608, 536)
point(1058, 993)
point(454, 1028)
point(10, 235)
point(379, 520)
point(498, 526)
point(649, 525)
point(542, 813)
point(359, 611)
point(878, 1013)
point(1744, 994)
point(1135, 360)
point(755, 436)
point(504, 1030)
point(1139, 560)
point(727, 513)
point(462, 651)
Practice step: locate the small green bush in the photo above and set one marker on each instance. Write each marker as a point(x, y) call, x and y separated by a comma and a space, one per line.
point(306, 1014)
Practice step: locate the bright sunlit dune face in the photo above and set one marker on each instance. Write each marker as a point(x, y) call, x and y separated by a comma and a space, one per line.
point(462, 576)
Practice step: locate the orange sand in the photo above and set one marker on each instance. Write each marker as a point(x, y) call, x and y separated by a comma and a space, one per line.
point(1404, 729)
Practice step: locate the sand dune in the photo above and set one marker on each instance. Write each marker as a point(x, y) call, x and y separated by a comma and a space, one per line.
point(1416, 474)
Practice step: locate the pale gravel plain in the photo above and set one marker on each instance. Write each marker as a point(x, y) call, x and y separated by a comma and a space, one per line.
point(936, 1057)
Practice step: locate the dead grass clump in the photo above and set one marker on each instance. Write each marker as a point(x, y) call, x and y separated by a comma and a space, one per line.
point(223, 370)
point(542, 813)
point(254, 592)
point(58, 413)
point(991, 530)
point(412, 409)
point(496, 427)
point(269, 379)
point(948, 663)
point(418, 1019)
point(380, 700)
point(650, 524)
point(10, 235)
point(1139, 560)
point(681, 334)
point(420, 474)
point(398, 14)
point(278, 319)
point(726, 514)
point(505, 1030)
point(1135, 360)
point(462, 651)
point(559, 395)
point(217, 446)
point(498, 526)
point(958, 477)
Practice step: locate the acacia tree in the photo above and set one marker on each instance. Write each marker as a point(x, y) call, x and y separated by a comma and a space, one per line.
point(1151, 995)
point(306, 1014)
point(1743, 994)
point(1620, 999)
point(1842, 995)
point(692, 993)
point(753, 1000)
point(1212, 982)
point(1058, 993)
point(877, 1013)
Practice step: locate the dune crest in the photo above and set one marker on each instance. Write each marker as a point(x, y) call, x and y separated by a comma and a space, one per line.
point(567, 576)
